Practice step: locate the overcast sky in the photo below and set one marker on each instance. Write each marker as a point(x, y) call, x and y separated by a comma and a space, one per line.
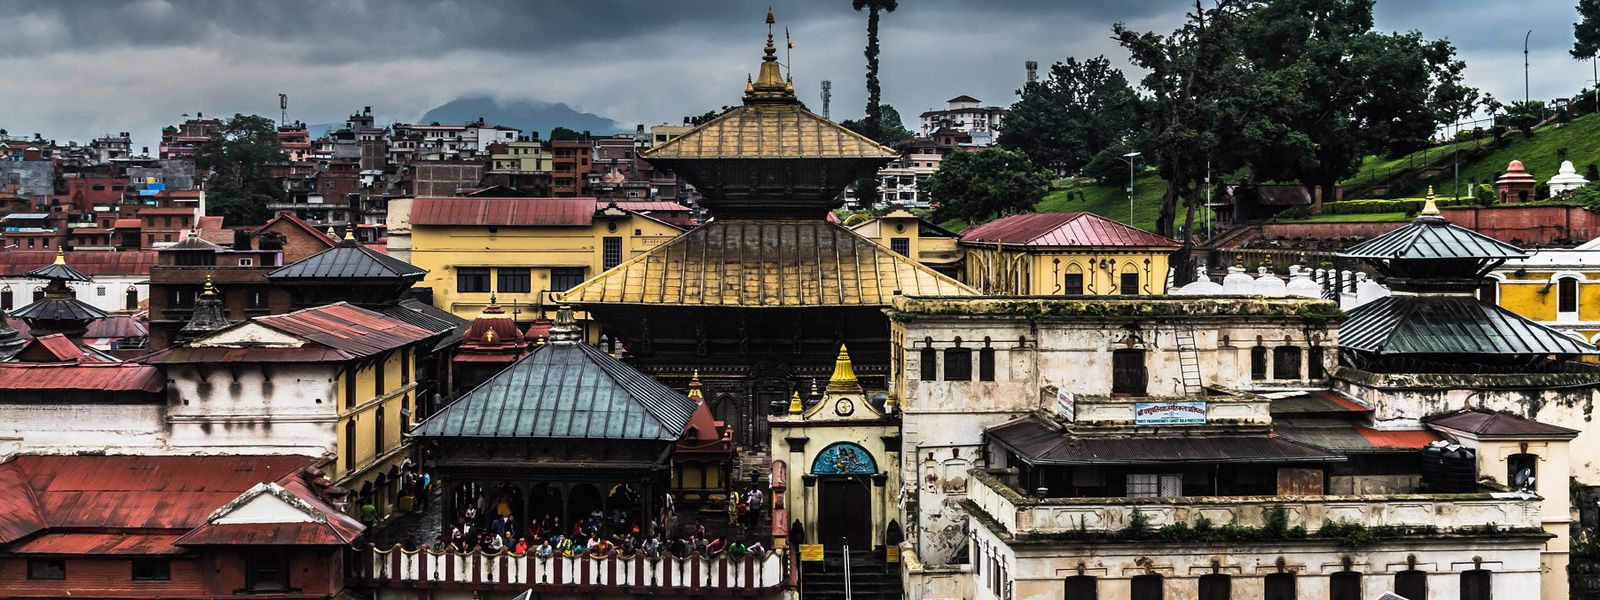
point(76, 69)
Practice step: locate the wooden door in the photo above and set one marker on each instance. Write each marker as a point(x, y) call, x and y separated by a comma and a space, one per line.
point(844, 513)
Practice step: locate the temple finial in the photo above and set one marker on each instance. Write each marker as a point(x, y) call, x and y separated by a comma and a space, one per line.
point(61, 257)
point(795, 407)
point(844, 374)
point(1429, 208)
point(210, 290)
point(695, 394)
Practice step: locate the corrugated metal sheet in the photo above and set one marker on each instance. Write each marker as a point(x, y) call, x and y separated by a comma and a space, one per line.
point(1345, 436)
point(99, 544)
point(1410, 439)
point(348, 260)
point(353, 330)
point(770, 131)
point(141, 492)
point(1433, 238)
point(636, 205)
point(1328, 402)
point(267, 534)
point(1078, 229)
point(60, 271)
point(116, 377)
point(431, 318)
point(503, 211)
point(54, 346)
point(1039, 442)
point(117, 326)
point(769, 263)
point(127, 224)
point(59, 309)
point(1485, 423)
point(1456, 325)
point(301, 224)
point(565, 390)
point(20, 514)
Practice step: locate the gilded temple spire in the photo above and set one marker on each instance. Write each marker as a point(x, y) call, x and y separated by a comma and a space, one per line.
point(769, 85)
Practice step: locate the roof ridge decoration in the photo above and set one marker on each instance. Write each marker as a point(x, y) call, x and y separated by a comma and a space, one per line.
point(565, 330)
point(270, 488)
point(844, 375)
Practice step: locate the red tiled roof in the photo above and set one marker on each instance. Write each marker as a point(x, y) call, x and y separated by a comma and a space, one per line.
point(173, 210)
point(1063, 229)
point(15, 263)
point(111, 377)
point(296, 221)
point(642, 205)
point(117, 326)
point(503, 211)
point(123, 544)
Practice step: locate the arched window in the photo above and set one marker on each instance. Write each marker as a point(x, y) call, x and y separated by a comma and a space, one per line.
point(131, 298)
point(1258, 362)
point(1567, 298)
point(1521, 470)
point(5, 298)
point(986, 362)
point(958, 364)
point(929, 359)
point(378, 444)
point(1128, 283)
point(1072, 283)
point(1315, 370)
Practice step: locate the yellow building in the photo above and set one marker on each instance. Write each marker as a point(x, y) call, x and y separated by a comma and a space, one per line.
point(520, 250)
point(911, 236)
point(1559, 289)
point(1065, 254)
point(334, 380)
point(523, 156)
point(663, 133)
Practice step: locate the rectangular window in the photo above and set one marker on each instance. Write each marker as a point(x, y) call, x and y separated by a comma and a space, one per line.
point(1129, 285)
point(1155, 485)
point(1344, 585)
point(350, 387)
point(1489, 292)
point(247, 262)
point(1082, 587)
point(1280, 586)
point(565, 278)
point(152, 569)
point(1567, 295)
point(929, 359)
point(1128, 377)
point(472, 280)
point(379, 370)
point(1411, 584)
point(1286, 362)
point(1073, 284)
point(47, 569)
point(350, 445)
point(958, 364)
point(901, 246)
point(516, 280)
point(1146, 587)
point(1258, 362)
point(405, 366)
point(266, 572)
point(1315, 370)
point(1216, 587)
point(986, 364)
point(611, 252)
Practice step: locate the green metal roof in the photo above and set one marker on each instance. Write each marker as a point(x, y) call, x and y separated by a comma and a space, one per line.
point(1457, 325)
point(565, 390)
point(1432, 237)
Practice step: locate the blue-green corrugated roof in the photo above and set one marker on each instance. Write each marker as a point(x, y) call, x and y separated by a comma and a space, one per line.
point(1432, 237)
point(565, 390)
point(1458, 326)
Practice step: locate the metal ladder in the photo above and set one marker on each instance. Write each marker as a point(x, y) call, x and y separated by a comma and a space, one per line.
point(1188, 360)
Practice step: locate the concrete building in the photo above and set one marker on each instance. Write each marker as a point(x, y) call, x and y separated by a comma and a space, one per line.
point(914, 237)
point(1065, 254)
point(967, 115)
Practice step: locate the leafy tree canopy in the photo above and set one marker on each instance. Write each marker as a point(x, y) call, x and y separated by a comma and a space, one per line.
point(890, 129)
point(240, 156)
point(976, 186)
point(1081, 109)
point(1586, 32)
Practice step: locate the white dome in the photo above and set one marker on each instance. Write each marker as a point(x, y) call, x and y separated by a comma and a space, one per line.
point(1237, 282)
point(1567, 179)
point(1201, 286)
point(1268, 284)
point(1301, 284)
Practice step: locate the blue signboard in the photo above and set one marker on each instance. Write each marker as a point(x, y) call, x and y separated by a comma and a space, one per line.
point(1169, 413)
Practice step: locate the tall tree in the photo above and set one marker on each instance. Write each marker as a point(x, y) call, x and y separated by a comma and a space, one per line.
point(1586, 32)
point(1352, 91)
point(240, 156)
point(975, 186)
point(1081, 109)
point(889, 129)
point(874, 92)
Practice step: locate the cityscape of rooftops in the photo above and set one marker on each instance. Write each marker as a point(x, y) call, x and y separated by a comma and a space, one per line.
point(866, 300)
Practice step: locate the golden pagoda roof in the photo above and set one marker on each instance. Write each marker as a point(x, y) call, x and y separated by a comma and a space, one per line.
point(770, 124)
point(777, 263)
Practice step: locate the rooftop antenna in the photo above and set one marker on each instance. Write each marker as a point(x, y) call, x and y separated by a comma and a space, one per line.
point(827, 96)
point(788, 52)
point(1033, 70)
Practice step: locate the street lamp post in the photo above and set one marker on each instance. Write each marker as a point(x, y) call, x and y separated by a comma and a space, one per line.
point(1129, 158)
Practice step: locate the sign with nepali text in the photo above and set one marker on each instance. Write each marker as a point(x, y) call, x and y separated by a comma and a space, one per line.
point(1066, 405)
point(810, 552)
point(1169, 413)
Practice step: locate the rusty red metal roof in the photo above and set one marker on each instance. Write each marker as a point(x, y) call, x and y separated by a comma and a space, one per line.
point(642, 205)
point(503, 211)
point(339, 332)
point(333, 528)
point(53, 348)
point(116, 327)
point(1401, 439)
point(1485, 423)
point(110, 377)
point(15, 263)
point(1075, 229)
point(99, 544)
point(298, 222)
point(127, 224)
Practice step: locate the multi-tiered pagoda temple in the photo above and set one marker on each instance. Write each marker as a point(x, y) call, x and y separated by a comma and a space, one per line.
point(759, 299)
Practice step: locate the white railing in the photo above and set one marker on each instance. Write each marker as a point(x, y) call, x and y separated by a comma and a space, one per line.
point(423, 568)
point(1442, 512)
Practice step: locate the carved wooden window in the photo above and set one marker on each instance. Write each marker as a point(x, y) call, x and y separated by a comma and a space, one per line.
point(1216, 587)
point(1128, 376)
point(986, 363)
point(1146, 587)
point(1073, 284)
point(1082, 587)
point(1280, 586)
point(1258, 362)
point(1286, 362)
point(958, 364)
point(929, 359)
point(1475, 585)
point(1344, 585)
point(1411, 584)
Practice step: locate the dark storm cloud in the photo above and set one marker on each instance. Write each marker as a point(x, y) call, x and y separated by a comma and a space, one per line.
point(92, 66)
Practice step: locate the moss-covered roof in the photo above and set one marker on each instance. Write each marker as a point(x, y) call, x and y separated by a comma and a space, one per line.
point(906, 307)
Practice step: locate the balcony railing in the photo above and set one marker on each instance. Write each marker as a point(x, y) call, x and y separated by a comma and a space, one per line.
point(666, 575)
point(1442, 512)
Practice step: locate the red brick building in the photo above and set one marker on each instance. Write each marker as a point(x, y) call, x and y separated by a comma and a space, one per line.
point(196, 527)
point(571, 162)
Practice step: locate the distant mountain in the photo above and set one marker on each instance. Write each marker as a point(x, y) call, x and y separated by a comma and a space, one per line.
point(522, 114)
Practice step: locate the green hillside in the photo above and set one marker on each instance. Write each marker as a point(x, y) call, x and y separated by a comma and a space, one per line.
point(1540, 153)
point(1107, 201)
